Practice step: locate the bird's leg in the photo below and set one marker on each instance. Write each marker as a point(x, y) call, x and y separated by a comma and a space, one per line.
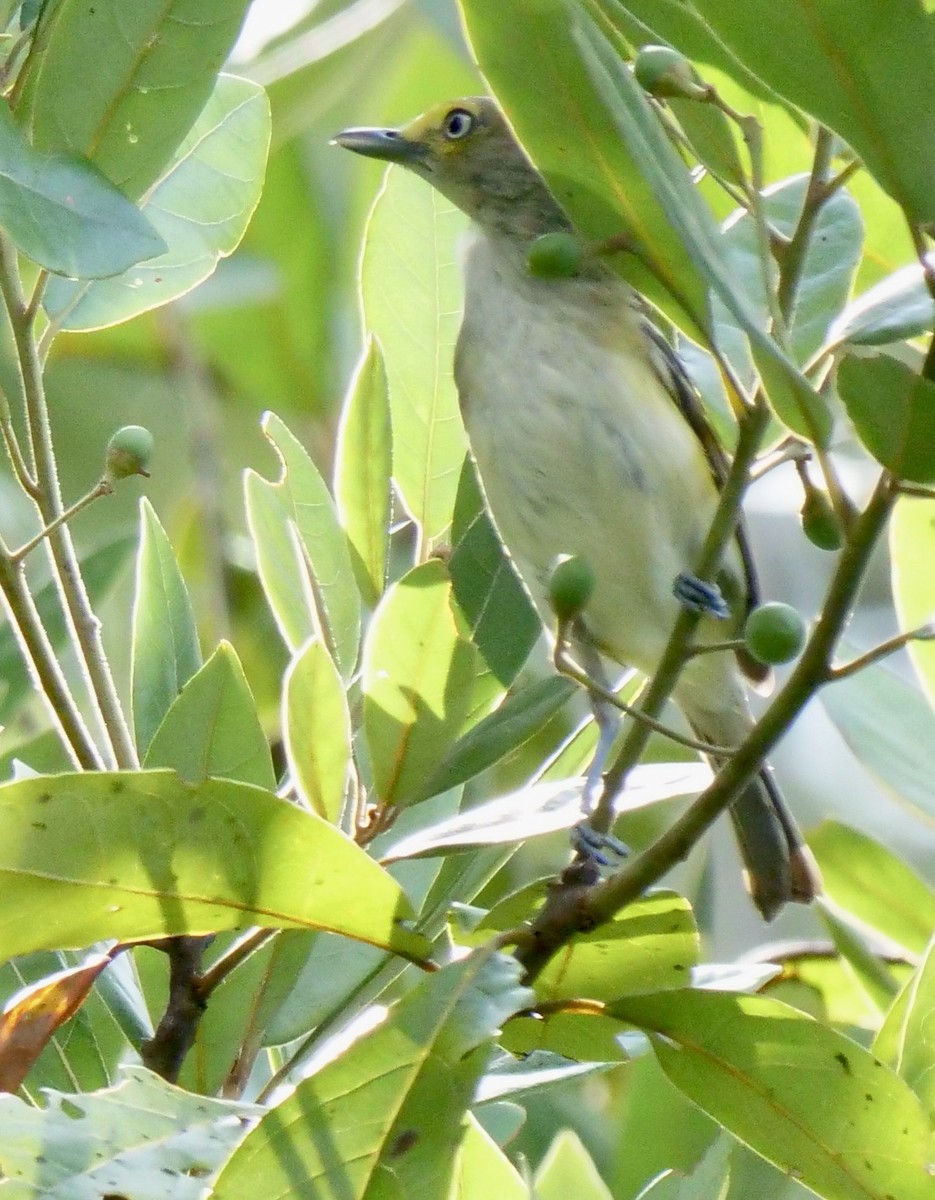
point(700, 596)
point(586, 840)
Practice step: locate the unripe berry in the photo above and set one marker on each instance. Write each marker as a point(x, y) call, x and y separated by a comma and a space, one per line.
point(774, 633)
point(129, 452)
point(555, 255)
point(665, 72)
point(571, 586)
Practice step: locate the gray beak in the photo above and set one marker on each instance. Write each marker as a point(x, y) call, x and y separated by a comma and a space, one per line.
point(386, 144)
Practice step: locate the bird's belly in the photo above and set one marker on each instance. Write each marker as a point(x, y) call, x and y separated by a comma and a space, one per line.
point(582, 451)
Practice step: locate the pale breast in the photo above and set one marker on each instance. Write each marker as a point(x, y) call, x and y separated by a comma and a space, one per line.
point(580, 448)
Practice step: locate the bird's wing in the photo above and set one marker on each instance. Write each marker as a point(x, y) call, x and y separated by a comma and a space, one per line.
point(677, 382)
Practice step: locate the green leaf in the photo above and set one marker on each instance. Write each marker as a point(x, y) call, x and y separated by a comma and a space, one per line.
point(912, 555)
point(889, 726)
point(893, 410)
point(302, 553)
point(483, 1170)
point(122, 84)
point(504, 624)
point(651, 945)
point(212, 728)
point(898, 307)
point(317, 730)
point(363, 469)
point(568, 1170)
point(872, 884)
point(544, 807)
point(165, 651)
point(906, 1041)
point(806, 1098)
point(200, 206)
point(148, 1139)
point(100, 569)
point(864, 69)
point(385, 1118)
point(611, 165)
point(418, 679)
point(134, 855)
point(510, 726)
point(711, 136)
point(65, 215)
point(411, 295)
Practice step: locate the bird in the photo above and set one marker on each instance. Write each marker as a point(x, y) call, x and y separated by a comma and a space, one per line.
point(590, 440)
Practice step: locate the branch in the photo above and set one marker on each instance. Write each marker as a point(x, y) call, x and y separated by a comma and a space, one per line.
point(558, 922)
point(924, 633)
point(79, 615)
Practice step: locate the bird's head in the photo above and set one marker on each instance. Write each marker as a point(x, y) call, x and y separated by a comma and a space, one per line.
point(468, 152)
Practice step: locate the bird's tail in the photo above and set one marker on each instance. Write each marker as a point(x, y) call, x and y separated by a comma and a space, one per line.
point(778, 866)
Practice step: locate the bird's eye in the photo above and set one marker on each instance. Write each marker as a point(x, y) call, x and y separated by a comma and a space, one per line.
point(458, 124)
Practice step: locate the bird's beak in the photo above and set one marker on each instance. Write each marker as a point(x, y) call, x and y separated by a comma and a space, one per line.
point(388, 144)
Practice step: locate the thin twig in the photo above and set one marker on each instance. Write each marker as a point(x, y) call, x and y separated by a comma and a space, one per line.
point(925, 633)
point(79, 615)
point(566, 665)
point(40, 659)
point(102, 488)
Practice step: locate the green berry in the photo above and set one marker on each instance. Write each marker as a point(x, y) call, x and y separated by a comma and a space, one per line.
point(662, 71)
point(820, 523)
point(774, 633)
point(571, 586)
point(129, 452)
point(555, 255)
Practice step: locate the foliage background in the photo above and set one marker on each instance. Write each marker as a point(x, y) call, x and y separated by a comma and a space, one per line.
point(277, 327)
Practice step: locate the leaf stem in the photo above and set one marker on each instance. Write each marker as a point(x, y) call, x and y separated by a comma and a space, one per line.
point(102, 488)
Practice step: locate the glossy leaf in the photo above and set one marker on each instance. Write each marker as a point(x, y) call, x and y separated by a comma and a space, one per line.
point(363, 471)
point(141, 854)
point(147, 1136)
point(888, 724)
point(874, 885)
point(651, 945)
point(418, 677)
point(64, 215)
point(317, 730)
point(757, 1067)
point(865, 70)
point(200, 206)
point(483, 1170)
point(122, 84)
point(518, 719)
point(906, 1040)
point(544, 807)
point(568, 1170)
point(893, 410)
point(411, 295)
point(912, 554)
point(212, 728)
point(165, 640)
point(899, 306)
point(385, 1118)
point(503, 622)
point(302, 553)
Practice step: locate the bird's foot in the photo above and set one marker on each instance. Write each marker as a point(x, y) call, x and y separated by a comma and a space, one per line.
point(699, 596)
point(598, 848)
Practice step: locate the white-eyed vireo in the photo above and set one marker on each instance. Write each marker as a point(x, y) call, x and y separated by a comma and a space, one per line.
point(590, 441)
